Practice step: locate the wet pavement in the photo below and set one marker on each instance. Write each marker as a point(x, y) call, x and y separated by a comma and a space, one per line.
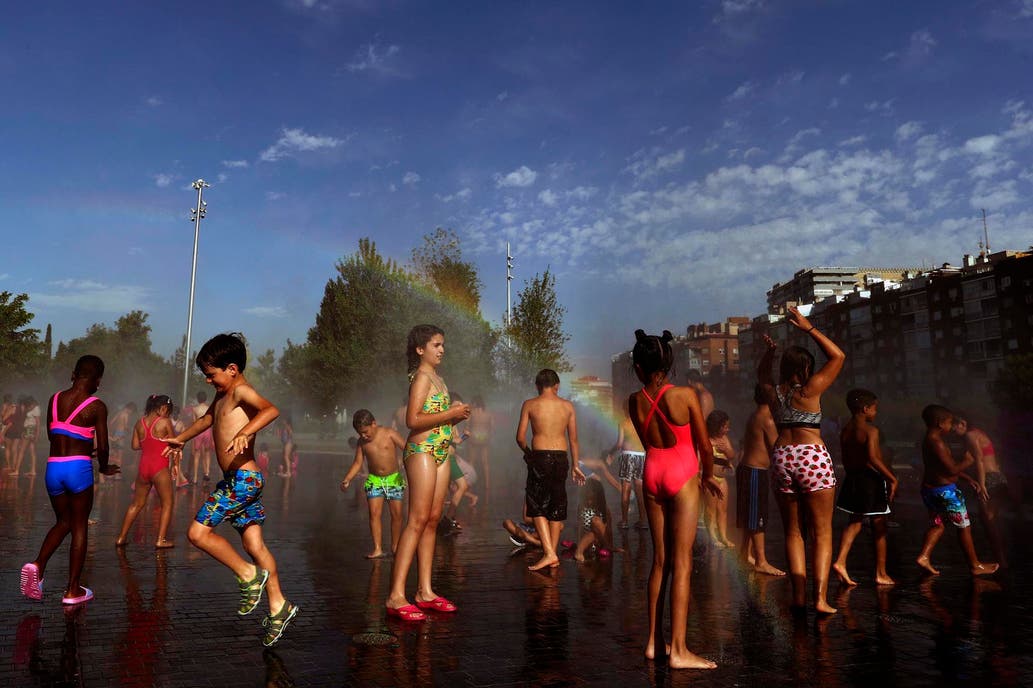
point(169, 618)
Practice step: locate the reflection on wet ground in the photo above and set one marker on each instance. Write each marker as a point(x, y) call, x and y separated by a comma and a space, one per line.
point(168, 618)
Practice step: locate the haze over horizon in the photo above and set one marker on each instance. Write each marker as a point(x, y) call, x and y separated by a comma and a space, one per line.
point(668, 163)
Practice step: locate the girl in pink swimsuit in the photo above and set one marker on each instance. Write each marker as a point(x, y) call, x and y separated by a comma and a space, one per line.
point(679, 461)
point(148, 436)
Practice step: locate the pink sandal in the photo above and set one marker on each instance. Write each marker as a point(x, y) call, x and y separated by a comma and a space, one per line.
point(406, 613)
point(31, 583)
point(438, 604)
point(85, 597)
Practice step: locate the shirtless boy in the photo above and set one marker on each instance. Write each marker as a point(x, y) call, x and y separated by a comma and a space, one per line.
point(379, 447)
point(753, 484)
point(553, 433)
point(235, 416)
point(940, 492)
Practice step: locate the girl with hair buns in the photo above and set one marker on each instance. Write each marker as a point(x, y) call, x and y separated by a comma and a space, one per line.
point(679, 461)
point(801, 467)
point(148, 437)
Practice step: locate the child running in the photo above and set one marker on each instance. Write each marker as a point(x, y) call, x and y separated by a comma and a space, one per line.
point(940, 492)
point(148, 437)
point(378, 446)
point(670, 423)
point(429, 416)
point(752, 483)
point(235, 416)
point(553, 432)
point(69, 476)
point(869, 486)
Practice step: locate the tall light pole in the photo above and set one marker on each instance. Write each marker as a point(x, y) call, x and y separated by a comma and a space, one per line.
point(509, 287)
point(196, 215)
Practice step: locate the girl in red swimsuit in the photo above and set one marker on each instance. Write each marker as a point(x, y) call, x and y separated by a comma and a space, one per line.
point(679, 461)
point(148, 436)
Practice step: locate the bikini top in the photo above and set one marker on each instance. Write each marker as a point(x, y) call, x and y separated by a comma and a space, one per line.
point(683, 444)
point(788, 416)
point(65, 427)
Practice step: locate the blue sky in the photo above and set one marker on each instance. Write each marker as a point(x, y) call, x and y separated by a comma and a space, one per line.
point(668, 161)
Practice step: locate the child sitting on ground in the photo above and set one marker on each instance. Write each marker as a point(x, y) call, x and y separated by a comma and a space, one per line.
point(594, 517)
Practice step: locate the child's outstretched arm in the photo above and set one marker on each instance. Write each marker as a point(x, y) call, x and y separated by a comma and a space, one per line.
point(266, 414)
point(196, 428)
point(972, 449)
point(877, 463)
point(575, 450)
point(355, 467)
point(946, 460)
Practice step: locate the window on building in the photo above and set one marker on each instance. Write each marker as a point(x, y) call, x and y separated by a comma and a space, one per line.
point(1005, 282)
point(1013, 344)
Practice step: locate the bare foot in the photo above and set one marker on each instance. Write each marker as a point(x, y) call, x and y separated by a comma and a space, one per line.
point(844, 577)
point(651, 651)
point(984, 569)
point(769, 570)
point(120, 543)
point(473, 500)
point(164, 543)
point(551, 561)
point(579, 557)
point(689, 661)
point(719, 544)
point(730, 545)
point(824, 608)
point(751, 560)
point(927, 565)
point(884, 580)
point(376, 554)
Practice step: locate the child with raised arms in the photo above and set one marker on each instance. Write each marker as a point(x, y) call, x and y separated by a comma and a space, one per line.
point(235, 416)
point(378, 446)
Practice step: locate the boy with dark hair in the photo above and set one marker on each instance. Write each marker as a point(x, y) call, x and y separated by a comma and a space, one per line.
point(379, 447)
point(553, 433)
point(869, 486)
point(753, 484)
point(235, 416)
point(940, 492)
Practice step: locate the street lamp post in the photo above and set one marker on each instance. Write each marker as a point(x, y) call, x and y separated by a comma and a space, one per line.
point(196, 215)
point(509, 287)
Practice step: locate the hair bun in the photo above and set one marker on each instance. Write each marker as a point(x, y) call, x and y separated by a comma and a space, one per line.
point(640, 335)
point(667, 336)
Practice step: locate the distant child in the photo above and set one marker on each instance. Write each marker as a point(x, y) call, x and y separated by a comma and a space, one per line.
point(203, 444)
point(235, 416)
point(594, 517)
point(263, 458)
point(869, 486)
point(69, 476)
point(752, 484)
point(940, 492)
point(379, 447)
point(295, 455)
point(553, 433)
point(149, 434)
point(523, 533)
point(990, 483)
point(631, 457)
point(715, 505)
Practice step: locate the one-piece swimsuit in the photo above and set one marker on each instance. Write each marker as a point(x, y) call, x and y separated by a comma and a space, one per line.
point(151, 460)
point(439, 439)
point(667, 469)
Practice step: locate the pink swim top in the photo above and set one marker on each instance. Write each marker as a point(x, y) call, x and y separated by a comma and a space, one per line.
point(667, 469)
point(65, 427)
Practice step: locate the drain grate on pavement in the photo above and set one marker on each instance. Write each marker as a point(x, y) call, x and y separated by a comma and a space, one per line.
point(376, 638)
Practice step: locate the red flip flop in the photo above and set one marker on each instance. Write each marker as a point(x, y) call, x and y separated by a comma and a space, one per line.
point(438, 604)
point(406, 613)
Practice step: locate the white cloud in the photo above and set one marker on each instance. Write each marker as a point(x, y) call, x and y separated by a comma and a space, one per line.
point(852, 141)
point(921, 43)
point(274, 195)
point(522, 176)
point(731, 9)
point(267, 311)
point(235, 164)
point(162, 179)
point(659, 131)
point(845, 79)
point(461, 195)
point(5, 275)
point(92, 296)
point(646, 164)
point(982, 145)
point(548, 197)
point(1025, 8)
point(293, 141)
point(153, 101)
point(222, 177)
point(889, 56)
point(908, 130)
point(410, 179)
point(502, 96)
point(745, 89)
point(884, 107)
point(375, 59)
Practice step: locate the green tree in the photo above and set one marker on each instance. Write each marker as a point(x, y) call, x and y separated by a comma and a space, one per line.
point(535, 337)
point(439, 262)
point(21, 352)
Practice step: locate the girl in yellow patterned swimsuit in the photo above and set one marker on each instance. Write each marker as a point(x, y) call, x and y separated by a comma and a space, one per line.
point(429, 417)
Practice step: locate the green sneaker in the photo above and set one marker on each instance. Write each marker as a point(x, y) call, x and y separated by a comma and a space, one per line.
point(251, 591)
point(276, 624)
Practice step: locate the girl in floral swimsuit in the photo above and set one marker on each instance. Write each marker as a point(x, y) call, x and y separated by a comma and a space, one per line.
point(429, 416)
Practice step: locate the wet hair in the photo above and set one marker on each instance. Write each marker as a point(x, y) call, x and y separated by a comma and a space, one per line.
point(858, 399)
point(362, 418)
point(202, 397)
point(546, 377)
point(419, 336)
point(934, 414)
point(155, 402)
point(89, 366)
point(653, 354)
point(222, 350)
point(694, 376)
point(796, 362)
point(715, 420)
point(593, 496)
point(760, 395)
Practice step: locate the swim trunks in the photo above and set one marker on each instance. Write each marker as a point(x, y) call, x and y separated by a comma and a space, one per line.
point(751, 491)
point(802, 468)
point(72, 474)
point(864, 493)
point(546, 489)
point(629, 465)
point(946, 502)
point(390, 487)
point(236, 497)
point(454, 471)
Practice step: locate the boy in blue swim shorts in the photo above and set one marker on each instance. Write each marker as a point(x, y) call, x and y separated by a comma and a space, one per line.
point(940, 492)
point(378, 446)
point(235, 416)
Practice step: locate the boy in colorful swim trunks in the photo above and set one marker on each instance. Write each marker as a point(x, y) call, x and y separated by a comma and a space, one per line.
point(940, 492)
point(379, 446)
point(235, 416)
point(553, 432)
